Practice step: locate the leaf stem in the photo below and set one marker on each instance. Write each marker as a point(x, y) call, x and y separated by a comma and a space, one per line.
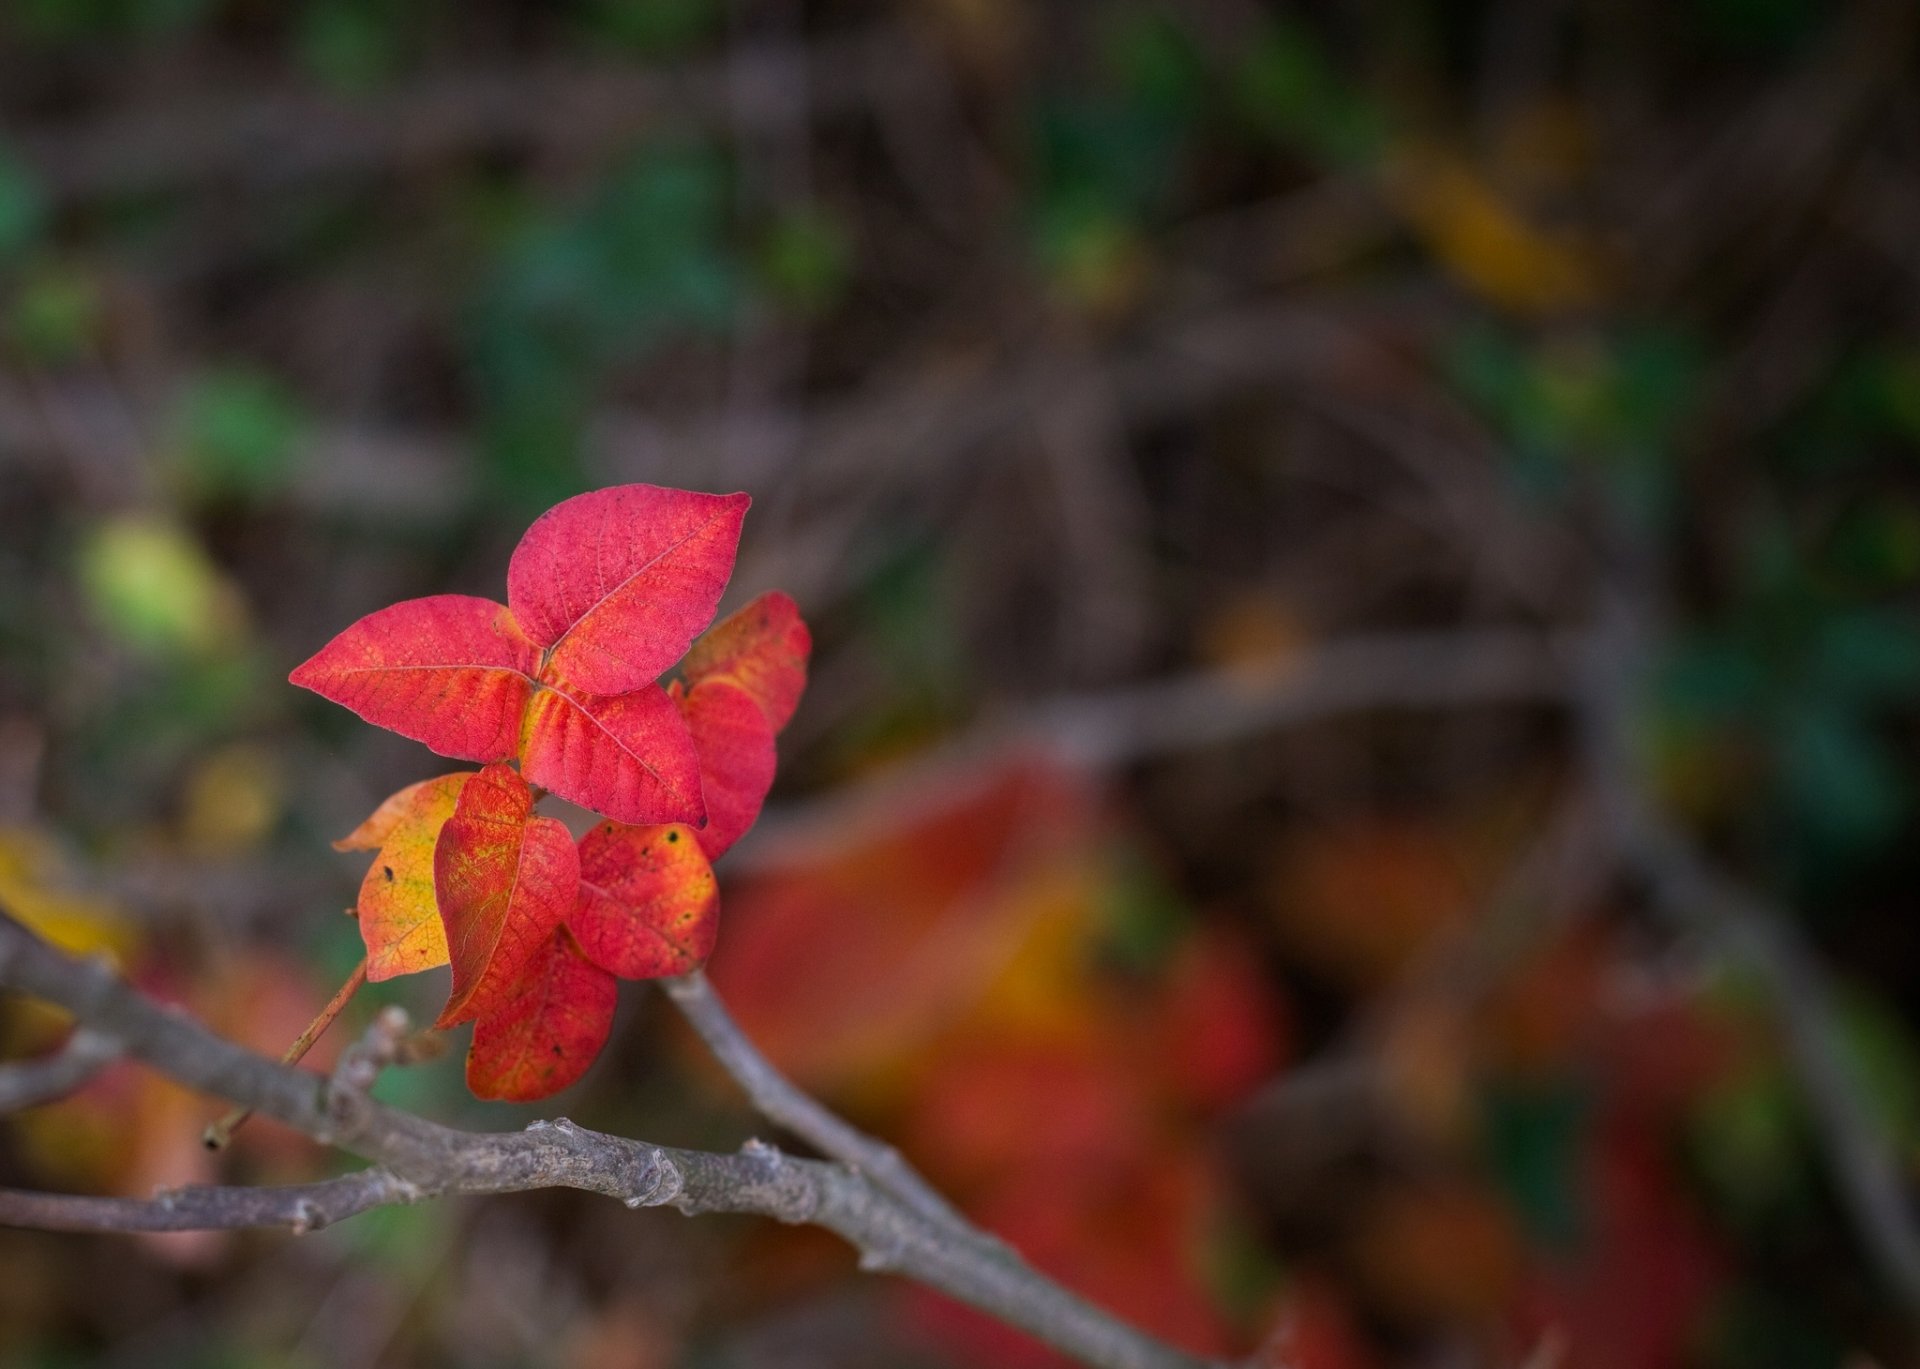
point(219, 1134)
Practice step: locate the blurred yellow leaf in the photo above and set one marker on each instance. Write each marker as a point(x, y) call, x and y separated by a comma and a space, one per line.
point(1256, 637)
point(152, 585)
point(1485, 242)
point(30, 880)
point(233, 799)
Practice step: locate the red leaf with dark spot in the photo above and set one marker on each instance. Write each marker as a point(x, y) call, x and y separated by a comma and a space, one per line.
point(546, 1029)
point(648, 903)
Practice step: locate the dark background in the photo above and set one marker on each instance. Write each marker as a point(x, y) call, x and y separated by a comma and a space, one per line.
point(1360, 769)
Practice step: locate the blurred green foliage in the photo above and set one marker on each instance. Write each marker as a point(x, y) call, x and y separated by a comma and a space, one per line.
point(573, 292)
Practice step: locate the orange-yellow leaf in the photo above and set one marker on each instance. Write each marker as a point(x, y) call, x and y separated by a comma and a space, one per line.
point(504, 880)
point(548, 1026)
point(763, 648)
point(648, 902)
point(399, 918)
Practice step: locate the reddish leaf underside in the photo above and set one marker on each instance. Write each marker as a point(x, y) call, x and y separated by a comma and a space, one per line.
point(735, 745)
point(627, 756)
point(648, 902)
point(763, 648)
point(451, 671)
point(616, 583)
point(547, 1028)
point(504, 880)
point(398, 914)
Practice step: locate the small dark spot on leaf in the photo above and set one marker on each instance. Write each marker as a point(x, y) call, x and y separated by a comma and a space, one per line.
point(387, 870)
point(673, 836)
point(558, 1051)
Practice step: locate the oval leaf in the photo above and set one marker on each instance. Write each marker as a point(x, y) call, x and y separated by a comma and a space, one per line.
point(648, 903)
point(616, 583)
point(504, 880)
point(399, 917)
point(763, 648)
point(734, 740)
point(627, 757)
point(451, 671)
point(546, 1029)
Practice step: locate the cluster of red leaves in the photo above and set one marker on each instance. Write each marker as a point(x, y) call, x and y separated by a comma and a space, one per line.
point(604, 593)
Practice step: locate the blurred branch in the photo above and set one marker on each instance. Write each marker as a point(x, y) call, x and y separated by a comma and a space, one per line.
point(1108, 729)
point(1686, 888)
point(1388, 670)
point(298, 1207)
point(416, 1159)
point(276, 136)
point(30, 1083)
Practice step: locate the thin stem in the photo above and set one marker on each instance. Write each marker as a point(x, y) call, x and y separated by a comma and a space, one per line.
point(781, 1102)
point(29, 1083)
point(219, 1134)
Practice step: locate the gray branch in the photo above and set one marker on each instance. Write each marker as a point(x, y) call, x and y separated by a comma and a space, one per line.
point(776, 1098)
point(299, 1207)
point(29, 1083)
point(415, 1159)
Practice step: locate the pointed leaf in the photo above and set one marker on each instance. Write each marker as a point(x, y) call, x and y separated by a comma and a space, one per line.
point(547, 1028)
point(648, 902)
point(763, 648)
point(452, 671)
point(504, 879)
point(735, 744)
point(617, 582)
point(399, 917)
point(627, 757)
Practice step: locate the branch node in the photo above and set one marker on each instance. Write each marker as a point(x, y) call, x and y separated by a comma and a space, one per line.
point(307, 1216)
point(347, 1100)
point(659, 1183)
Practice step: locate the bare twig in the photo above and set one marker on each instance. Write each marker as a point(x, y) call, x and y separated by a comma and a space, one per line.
point(219, 1133)
point(278, 137)
point(299, 1207)
point(1696, 898)
point(1390, 670)
point(780, 1102)
point(417, 1159)
point(30, 1083)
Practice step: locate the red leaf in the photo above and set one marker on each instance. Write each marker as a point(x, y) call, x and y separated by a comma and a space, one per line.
point(548, 1026)
point(628, 756)
point(399, 915)
point(735, 745)
point(616, 583)
point(763, 648)
point(505, 879)
point(648, 902)
point(451, 671)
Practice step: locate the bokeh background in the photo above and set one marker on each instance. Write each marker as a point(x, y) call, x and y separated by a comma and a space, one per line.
point(1358, 790)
